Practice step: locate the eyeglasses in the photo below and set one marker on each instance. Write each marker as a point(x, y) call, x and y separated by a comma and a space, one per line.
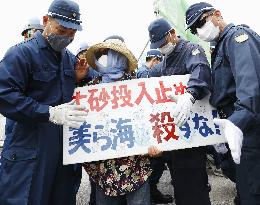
point(199, 23)
point(30, 33)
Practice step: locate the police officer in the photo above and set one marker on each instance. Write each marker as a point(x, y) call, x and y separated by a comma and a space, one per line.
point(183, 57)
point(150, 68)
point(37, 80)
point(236, 91)
point(31, 27)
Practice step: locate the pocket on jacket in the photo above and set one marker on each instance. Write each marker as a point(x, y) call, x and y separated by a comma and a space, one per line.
point(17, 168)
point(44, 76)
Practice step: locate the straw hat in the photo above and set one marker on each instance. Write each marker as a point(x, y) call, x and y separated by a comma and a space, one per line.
point(115, 44)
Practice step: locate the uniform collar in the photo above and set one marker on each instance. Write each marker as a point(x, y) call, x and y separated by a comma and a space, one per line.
point(226, 29)
point(42, 42)
point(178, 47)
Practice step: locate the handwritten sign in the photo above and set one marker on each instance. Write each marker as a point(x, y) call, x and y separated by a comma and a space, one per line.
point(127, 117)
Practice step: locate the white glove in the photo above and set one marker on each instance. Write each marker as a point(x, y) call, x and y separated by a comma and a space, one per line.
point(221, 148)
point(234, 137)
point(182, 110)
point(68, 114)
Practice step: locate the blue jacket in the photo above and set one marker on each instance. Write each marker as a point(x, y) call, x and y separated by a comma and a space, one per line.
point(145, 72)
point(32, 78)
point(236, 75)
point(189, 58)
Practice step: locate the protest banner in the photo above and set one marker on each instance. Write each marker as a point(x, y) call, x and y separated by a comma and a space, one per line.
point(127, 117)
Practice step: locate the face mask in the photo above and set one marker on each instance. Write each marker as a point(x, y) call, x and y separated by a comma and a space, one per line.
point(111, 66)
point(103, 60)
point(59, 42)
point(209, 32)
point(167, 49)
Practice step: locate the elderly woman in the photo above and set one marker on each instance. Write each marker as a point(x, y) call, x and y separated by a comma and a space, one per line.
point(123, 180)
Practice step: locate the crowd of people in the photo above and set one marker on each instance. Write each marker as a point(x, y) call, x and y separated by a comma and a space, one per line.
point(37, 80)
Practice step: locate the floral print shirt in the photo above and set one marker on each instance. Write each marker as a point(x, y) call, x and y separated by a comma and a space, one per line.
point(120, 176)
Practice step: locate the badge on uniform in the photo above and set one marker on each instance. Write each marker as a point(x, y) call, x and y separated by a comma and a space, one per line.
point(241, 38)
point(195, 52)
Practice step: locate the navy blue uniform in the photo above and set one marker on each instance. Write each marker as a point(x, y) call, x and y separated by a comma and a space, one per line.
point(236, 94)
point(32, 78)
point(189, 165)
point(145, 72)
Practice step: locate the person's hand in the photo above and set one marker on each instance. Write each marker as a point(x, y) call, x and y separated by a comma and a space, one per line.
point(82, 69)
point(234, 137)
point(153, 151)
point(220, 148)
point(182, 110)
point(68, 114)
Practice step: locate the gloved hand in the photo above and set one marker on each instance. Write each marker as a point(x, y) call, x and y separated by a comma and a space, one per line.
point(221, 148)
point(234, 137)
point(182, 110)
point(68, 114)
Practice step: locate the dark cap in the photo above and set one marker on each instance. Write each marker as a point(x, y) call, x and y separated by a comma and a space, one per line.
point(154, 53)
point(66, 12)
point(195, 11)
point(158, 29)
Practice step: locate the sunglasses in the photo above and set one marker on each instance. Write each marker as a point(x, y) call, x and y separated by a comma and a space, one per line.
point(199, 23)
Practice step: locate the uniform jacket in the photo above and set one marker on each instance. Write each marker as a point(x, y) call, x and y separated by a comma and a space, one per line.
point(32, 78)
point(236, 75)
point(189, 58)
point(145, 72)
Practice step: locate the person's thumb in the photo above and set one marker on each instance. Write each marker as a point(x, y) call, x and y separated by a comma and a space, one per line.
point(220, 122)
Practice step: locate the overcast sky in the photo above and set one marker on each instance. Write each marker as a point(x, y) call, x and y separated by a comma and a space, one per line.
point(101, 18)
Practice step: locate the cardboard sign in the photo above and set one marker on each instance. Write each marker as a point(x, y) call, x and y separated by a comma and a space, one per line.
point(127, 117)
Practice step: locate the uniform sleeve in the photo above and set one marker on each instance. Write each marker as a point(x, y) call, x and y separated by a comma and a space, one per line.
point(198, 66)
point(14, 78)
point(147, 73)
point(243, 50)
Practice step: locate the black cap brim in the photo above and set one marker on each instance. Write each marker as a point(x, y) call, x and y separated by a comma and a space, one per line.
point(158, 44)
point(68, 24)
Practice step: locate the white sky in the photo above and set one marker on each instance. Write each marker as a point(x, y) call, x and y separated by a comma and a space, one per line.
point(102, 18)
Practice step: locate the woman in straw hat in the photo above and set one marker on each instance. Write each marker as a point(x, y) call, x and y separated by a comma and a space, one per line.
point(123, 180)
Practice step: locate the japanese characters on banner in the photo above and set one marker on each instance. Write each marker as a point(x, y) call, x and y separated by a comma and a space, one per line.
point(127, 117)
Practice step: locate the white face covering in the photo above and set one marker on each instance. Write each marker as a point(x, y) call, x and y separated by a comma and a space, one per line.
point(167, 49)
point(111, 66)
point(208, 32)
point(103, 60)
